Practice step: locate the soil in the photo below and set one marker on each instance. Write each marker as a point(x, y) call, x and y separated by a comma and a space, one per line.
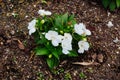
point(18, 62)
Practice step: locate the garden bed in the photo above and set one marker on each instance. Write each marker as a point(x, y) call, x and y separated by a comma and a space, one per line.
point(17, 59)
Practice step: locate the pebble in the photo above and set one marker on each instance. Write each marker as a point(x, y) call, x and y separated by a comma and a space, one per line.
point(110, 24)
point(1, 43)
point(109, 65)
point(12, 32)
point(108, 14)
point(116, 40)
point(26, 16)
point(117, 52)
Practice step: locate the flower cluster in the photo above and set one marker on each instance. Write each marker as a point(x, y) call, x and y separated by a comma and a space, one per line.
point(58, 34)
point(66, 40)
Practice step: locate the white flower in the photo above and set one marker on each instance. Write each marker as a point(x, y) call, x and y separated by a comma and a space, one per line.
point(83, 45)
point(66, 43)
point(81, 29)
point(43, 12)
point(110, 24)
point(66, 46)
point(67, 36)
point(54, 37)
point(31, 26)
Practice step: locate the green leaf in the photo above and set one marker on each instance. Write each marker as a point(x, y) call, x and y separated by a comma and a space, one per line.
point(112, 6)
point(72, 54)
point(118, 3)
point(41, 51)
point(71, 17)
point(65, 18)
point(105, 3)
point(58, 22)
point(52, 62)
point(55, 53)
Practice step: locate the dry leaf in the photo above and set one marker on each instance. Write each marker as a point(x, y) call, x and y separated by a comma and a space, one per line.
point(100, 58)
point(86, 63)
point(20, 45)
point(94, 56)
point(31, 56)
point(21, 1)
point(8, 41)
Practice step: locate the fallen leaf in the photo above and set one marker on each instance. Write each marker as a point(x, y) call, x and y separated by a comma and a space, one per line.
point(100, 58)
point(86, 63)
point(8, 41)
point(20, 45)
point(31, 56)
point(94, 56)
point(21, 1)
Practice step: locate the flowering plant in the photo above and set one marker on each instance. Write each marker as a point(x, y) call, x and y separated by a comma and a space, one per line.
point(57, 36)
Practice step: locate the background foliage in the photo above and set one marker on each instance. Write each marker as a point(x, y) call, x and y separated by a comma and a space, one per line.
point(111, 4)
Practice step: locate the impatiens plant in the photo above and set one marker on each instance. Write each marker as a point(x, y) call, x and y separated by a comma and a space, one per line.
point(57, 36)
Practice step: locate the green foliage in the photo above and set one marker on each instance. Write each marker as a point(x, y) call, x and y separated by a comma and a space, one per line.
point(52, 62)
point(67, 76)
point(40, 76)
point(111, 4)
point(44, 1)
point(59, 71)
point(82, 75)
point(41, 51)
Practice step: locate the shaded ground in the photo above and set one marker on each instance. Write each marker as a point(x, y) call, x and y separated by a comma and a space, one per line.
point(17, 62)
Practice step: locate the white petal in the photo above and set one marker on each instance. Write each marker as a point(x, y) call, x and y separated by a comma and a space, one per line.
point(47, 36)
point(87, 32)
point(32, 24)
point(59, 38)
point(66, 44)
point(82, 25)
point(67, 36)
point(53, 32)
point(55, 43)
point(81, 50)
point(65, 51)
point(32, 31)
point(41, 12)
point(86, 46)
point(78, 29)
point(48, 13)
point(83, 45)
point(51, 35)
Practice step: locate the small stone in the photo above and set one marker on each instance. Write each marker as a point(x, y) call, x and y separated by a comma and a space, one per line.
point(117, 52)
point(108, 13)
point(116, 40)
point(12, 32)
point(119, 48)
point(1, 43)
point(26, 16)
point(109, 65)
point(110, 24)
point(34, 5)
